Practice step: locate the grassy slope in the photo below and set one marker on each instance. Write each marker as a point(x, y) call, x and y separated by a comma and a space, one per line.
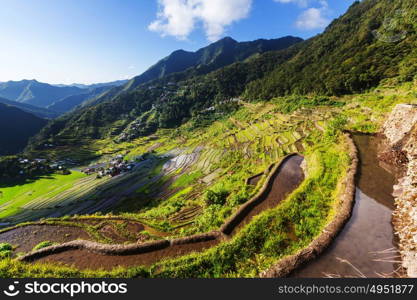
point(14, 197)
point(226, 160)
point(293, 224)
point(234, 149)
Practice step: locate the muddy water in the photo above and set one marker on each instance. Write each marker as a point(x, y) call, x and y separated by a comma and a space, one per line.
point(84, 259)
point(287, 179)
point(255, 180)
point(366, 246)
point(26, 237)
point(372, 179)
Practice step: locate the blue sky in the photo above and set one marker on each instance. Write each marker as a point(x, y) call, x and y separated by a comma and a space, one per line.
point(87, 41)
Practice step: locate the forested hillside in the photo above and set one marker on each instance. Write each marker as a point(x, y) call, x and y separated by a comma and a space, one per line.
point(68, 103)
point(374, 41)
point(217, 55)
point(40, 112)
point(126, 104)
point(17, 127)
point(352, 55)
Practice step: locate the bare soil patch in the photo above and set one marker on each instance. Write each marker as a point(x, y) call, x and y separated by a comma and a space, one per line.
point(27, 237)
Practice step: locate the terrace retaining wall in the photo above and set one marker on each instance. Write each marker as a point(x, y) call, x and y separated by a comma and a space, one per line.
point(244, 210)
point(290, 263)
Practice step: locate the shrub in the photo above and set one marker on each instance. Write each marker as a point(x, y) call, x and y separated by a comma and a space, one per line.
point(5, 247)
point(239, 198)
point(43, 244)
point(212, 217)
point(5, 254)
point(218, 197)
point(5, 250)
point(335, 127)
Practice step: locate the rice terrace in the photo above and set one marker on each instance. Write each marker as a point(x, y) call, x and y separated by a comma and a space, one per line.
point(287, 157)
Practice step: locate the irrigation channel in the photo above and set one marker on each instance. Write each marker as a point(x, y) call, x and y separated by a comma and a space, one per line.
point(282, 180)
point(366, 247)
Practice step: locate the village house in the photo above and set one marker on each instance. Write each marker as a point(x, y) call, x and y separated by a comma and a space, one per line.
point(114, 167)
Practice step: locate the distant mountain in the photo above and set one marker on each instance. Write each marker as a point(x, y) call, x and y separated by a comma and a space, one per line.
point(215, 56)
point(67, 104)
point(16, 127)
point(59, 98)
point(94, 85)
point(35, 93)
point(37, 111)
point(356, 53)
point(185, 86)
point(219, 54)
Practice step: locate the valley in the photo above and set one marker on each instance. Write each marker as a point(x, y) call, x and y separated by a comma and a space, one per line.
point(269, 158)
point(165, 194)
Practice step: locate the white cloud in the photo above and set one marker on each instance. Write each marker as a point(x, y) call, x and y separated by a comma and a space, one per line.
point(302, 3)
point(180, 17)
point(324, 4)
point(312, 18)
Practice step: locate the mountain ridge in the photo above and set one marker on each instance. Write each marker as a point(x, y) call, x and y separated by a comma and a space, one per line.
point(52, 97)
point(40, 112)
point(17, 127)
point(217, 54)
point(207, 59)
point(94, 85)
point(346, 58)
point(69, 103)
point(35, 93)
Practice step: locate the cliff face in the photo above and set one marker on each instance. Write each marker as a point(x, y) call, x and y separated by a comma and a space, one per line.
point(401, 132)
